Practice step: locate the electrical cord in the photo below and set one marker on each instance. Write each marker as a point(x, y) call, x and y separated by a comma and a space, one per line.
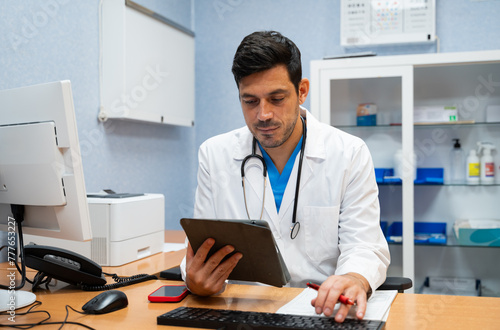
point(44, 321)
point(29, 311)
point(121, 281)
point(67, 315)
point(39, 279)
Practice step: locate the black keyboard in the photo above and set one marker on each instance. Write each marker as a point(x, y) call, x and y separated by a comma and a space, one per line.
point(229, 319)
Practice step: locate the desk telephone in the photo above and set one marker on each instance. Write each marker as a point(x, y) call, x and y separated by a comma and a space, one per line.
point(64, 265)
point(72, 268)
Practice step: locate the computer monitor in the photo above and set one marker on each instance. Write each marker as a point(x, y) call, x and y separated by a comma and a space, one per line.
point(40, 162)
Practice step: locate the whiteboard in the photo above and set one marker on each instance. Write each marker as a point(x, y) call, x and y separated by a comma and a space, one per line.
point(147, 66)
point(375, 22)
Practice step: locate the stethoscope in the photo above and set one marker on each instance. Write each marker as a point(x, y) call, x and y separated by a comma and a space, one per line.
point(294, 229)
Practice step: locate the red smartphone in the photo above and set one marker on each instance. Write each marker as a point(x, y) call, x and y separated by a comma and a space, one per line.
point(169, 293)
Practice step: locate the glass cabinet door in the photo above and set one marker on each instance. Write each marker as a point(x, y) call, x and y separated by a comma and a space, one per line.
point(337, 93)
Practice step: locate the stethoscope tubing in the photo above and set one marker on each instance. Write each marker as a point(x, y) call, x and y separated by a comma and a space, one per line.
point(264, 174)
point(295, 228)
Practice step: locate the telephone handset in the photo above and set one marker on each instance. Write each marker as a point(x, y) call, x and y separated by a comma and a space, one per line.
point(72, 268)
point(64, 265)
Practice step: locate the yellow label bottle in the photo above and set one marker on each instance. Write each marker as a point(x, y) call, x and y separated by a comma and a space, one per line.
point(473, 168)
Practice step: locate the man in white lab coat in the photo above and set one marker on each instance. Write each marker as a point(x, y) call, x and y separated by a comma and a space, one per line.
point(340, 243)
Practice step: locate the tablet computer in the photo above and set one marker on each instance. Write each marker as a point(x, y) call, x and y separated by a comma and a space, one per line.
point(262, 261)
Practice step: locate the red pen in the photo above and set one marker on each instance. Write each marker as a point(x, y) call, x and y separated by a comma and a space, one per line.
point(343, 299)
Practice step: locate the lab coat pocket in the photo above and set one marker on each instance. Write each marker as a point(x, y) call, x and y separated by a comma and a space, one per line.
point(321, 232)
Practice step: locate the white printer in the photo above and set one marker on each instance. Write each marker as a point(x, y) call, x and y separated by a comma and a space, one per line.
point(125, 228)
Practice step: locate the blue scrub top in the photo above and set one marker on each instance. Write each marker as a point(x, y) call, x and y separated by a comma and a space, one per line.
point(279, 181)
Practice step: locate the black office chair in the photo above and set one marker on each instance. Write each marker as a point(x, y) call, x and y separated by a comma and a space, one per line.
point(396, 283)
point(391, 283)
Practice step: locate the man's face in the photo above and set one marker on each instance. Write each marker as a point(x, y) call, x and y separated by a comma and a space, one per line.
point(270, 105)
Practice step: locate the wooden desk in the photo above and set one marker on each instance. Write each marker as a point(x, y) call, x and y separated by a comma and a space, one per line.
point(409, 311)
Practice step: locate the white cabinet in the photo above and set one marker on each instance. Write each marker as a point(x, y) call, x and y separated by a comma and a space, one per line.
point(147, 66)
point(470, 81)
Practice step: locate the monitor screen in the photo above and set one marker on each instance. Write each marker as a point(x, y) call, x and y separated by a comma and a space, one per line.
point(40, 162)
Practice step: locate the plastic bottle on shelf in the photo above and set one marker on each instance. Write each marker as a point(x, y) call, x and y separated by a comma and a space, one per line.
point(472, 168)
point(401, 165)
point(457, 163)
point(487, 164)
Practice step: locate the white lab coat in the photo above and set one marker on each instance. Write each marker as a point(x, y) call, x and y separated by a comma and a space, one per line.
point(338, 207)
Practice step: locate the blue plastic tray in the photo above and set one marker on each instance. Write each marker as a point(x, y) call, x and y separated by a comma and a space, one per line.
point(425, 232)
point(424, 176)
point(383, 225)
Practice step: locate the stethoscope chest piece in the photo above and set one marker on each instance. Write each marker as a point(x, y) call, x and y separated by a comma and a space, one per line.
point(294, 230)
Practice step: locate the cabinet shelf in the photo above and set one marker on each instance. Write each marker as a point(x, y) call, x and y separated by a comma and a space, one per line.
point(451, 241)
point(442, 185)
point(418, 126)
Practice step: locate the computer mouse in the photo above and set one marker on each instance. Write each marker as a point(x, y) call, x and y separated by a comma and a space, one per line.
point(106, 302)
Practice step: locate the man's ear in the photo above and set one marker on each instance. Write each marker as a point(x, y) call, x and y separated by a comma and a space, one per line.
point(303, 90)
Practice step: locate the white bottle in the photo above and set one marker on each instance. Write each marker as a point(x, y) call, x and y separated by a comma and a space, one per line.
point(472, 168)
point(402, 165)
point(487, 169)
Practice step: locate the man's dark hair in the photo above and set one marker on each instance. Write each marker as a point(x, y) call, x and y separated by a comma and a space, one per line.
point(261, 51)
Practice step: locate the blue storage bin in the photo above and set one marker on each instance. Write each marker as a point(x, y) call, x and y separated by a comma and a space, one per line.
point(425, 233)
point(383, 226)
point(430, 176)
point(368, 120)
point(382, 174)
point(424, 176)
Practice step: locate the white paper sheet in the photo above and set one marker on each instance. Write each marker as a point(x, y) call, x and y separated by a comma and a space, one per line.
point(377, 308)
point(170, 247)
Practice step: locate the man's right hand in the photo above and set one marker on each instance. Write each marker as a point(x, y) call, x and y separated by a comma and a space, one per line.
point(207, 277)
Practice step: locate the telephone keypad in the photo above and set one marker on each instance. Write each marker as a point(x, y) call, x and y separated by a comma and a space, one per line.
point(62, 261)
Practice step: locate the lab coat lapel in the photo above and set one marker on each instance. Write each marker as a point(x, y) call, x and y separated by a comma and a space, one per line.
point(314, 149)
point(289, 195)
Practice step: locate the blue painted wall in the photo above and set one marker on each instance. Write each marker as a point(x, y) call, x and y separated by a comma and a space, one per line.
point(49, 40)
point(461, 25)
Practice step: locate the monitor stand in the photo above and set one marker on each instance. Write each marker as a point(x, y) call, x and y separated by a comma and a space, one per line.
point(19, 298)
